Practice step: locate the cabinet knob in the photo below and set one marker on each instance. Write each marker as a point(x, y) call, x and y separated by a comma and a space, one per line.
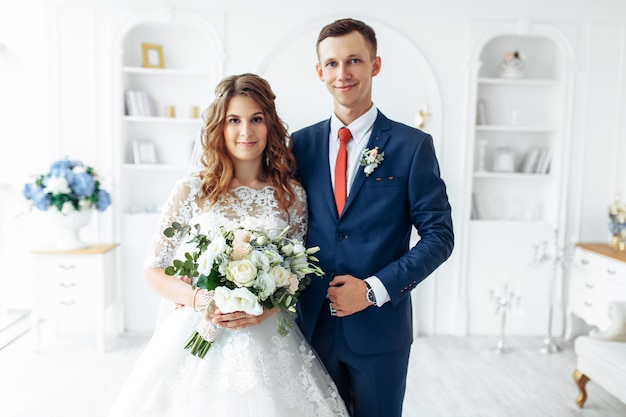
point(610, 271)
point(588, 304)
point(589, 285)
point(584, 262)
point(67, 284)
point(66, 267)
point(67, 303)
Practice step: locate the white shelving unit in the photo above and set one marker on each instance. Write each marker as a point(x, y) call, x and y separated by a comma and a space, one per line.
point(509, 217)
point(193, 64)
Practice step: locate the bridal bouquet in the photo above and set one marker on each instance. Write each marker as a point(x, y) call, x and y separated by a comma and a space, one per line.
point(244, 270)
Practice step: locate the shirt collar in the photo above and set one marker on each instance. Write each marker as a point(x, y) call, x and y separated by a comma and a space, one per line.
point(359, 128)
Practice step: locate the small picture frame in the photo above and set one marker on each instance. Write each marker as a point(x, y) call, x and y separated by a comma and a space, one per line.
point(152, 55)
point(144, 152)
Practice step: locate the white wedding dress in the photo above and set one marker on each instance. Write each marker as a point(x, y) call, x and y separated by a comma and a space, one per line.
point(250, 372)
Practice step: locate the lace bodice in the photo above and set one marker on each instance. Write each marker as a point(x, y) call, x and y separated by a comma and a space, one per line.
point(251, 207)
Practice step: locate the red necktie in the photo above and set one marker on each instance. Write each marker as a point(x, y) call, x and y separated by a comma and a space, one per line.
point(340, 169)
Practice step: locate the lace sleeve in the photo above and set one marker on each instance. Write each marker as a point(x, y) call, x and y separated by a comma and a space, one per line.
point(298, 214)
point(179, 207)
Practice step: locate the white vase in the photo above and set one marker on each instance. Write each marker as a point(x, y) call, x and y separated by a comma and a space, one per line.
point(69, 226)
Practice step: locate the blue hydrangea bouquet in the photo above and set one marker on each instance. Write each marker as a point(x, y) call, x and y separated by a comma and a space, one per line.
point(68, 186)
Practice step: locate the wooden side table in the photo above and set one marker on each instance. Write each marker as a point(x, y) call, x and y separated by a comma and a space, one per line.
point(76, 284)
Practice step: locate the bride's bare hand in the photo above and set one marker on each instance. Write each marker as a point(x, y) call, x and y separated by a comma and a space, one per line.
point(238, 319)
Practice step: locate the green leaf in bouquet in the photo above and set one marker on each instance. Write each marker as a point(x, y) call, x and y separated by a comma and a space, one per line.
point(170, 270)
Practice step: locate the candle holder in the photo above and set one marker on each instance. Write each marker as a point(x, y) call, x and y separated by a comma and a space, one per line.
point(557, 257)
point(504, 300)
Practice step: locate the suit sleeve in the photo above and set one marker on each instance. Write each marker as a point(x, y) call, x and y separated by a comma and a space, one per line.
point(430, 213)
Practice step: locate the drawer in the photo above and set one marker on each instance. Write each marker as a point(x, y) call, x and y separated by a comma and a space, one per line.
point(596, 264)
point(58, 298)
point(594, 311)
point(65, 265)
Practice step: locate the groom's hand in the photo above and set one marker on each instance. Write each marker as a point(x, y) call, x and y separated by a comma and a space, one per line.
point(347, 295)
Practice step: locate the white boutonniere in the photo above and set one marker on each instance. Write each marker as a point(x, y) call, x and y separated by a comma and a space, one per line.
point(370, 159)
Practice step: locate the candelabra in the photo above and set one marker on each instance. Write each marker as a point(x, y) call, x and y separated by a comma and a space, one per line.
point(504, 301)
point(557, 258)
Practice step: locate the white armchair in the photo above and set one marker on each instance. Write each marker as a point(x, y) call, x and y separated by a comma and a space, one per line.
point(601, 357)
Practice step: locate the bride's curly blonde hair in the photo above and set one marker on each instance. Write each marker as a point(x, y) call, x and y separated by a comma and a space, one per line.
point(279, 164)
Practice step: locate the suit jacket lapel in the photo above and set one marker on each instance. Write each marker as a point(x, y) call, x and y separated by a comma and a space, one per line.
point(379, 137)
point(324, 168)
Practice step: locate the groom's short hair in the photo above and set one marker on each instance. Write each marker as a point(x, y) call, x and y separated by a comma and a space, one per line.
point(345, 26)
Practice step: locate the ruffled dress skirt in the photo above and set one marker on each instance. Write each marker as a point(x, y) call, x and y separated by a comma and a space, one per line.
point(249, 372)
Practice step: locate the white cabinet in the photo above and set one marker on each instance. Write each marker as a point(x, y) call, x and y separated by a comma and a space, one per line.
point(154, 148)
point(514, 209)
point(76, 286)
point(597, 277)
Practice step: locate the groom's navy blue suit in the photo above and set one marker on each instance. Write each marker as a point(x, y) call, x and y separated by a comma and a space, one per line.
point(371, 237)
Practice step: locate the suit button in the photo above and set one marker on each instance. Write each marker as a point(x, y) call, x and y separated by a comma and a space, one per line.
point(338, 236)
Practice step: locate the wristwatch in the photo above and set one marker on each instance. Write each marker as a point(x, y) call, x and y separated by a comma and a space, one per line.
point(371, 297)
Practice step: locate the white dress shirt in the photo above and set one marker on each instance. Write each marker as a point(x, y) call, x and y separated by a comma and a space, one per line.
point(361, 130)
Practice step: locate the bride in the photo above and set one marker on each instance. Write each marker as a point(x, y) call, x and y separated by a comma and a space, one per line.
point(249, 369)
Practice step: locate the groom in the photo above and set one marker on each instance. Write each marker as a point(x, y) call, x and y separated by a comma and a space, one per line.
point(361, 210)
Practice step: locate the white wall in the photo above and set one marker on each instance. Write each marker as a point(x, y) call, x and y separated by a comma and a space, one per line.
point(56, 75)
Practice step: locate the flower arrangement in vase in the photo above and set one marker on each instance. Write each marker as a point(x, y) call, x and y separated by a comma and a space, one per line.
point(70, 191)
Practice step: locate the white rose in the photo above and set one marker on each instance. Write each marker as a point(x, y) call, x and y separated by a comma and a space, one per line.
point(239, 299)
point(241, 272)
point(205, 262)
point(57, 185)
point(369, 169)
point(280, 276)
point(217, 246)
point(265, 284)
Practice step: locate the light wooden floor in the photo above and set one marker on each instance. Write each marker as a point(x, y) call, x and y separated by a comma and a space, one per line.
point(448, 377)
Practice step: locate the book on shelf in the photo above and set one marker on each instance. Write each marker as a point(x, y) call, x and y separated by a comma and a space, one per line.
point(139, 103)
point(529, 164)
point(543, 163)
